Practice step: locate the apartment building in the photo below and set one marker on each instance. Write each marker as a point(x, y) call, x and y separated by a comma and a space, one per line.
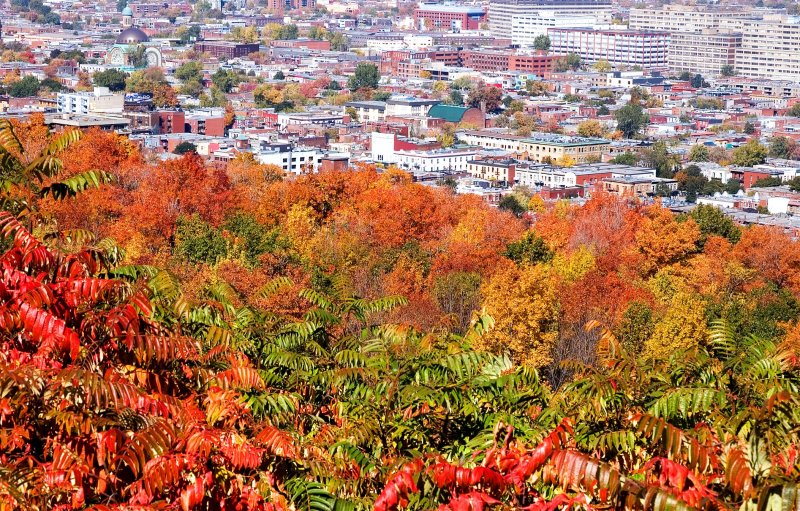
point(685, 18)
point(449, 17)
point(226, 49)
point(500, 172)
point(523, 21)
point(645, 48)
point(547, 147)
point(491, 139)
point(540, 64)
point(769, 48)
point(100, 100)
point(704, 52)
point(452, 160)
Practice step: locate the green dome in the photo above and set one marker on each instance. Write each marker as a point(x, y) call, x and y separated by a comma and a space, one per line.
point(127, 11)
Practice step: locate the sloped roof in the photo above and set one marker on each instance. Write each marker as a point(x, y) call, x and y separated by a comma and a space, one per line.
point(449, 113)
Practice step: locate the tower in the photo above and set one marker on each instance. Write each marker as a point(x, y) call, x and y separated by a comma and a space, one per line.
point(127, 17)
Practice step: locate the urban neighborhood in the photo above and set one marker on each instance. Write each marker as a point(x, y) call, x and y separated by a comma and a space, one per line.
point(400, 255)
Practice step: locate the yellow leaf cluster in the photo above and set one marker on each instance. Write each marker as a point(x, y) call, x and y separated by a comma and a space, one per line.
point(682, 327)
point(522, 301)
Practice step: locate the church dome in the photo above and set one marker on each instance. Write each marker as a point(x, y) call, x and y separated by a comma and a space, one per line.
point(132, 35)
point(127, 11)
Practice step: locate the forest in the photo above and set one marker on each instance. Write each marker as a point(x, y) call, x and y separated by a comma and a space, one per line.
point(176, 335)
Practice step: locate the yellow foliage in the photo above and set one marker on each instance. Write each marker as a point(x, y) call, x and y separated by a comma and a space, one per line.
point(575, 265)
point(663, 240)
point(300, 225)
point(536, 204)
point(681, 328)
point(565, 161)
point(523, 303)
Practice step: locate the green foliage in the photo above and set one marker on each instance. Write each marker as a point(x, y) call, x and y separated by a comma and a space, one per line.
point(782, 147)
point(189, 71)
point(630, 120)
point(252, 238)
point(531, 249)
point(366, 76)
point(768, 182)
point(571, 61)
point(699, 153)
point(513, 205)
point(285, 32)
point(727, 70)
point(698, 82)
point(24, 88)
point(635, 327)
point(542, 42)
point(279, 75)
point(627, 158)
point(198, 242)
point(111, 78)
point(659, 157)
point(185, 147)
point(749, 154)
point(713, 222)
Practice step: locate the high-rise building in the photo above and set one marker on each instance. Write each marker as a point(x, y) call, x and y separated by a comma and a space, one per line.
point(704, 52)
point(523, 21)
point(683, 18)
point(645, 48)
point(770, 48)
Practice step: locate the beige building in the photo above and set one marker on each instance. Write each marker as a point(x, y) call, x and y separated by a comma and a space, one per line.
point(638, 187)
point(548, 148)
point(496, 171)
point(683, 18)
point(770, 48)
point(704, 52)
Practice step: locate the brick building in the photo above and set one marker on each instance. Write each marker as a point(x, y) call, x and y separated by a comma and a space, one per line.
point(540, 64)
point(226, 49)
point(449, 17)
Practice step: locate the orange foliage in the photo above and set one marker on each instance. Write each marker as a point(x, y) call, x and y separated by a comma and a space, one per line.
point(768, 251)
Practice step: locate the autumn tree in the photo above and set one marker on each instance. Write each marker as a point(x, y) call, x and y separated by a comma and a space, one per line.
point(522, 302)
point(591, 128)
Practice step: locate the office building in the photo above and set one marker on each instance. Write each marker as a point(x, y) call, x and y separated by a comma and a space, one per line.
point(645, 48)
point(226, 49)
point(704, 52)
point(769, 48)
point(523, 21)
point(449, 17)
point(684, 18)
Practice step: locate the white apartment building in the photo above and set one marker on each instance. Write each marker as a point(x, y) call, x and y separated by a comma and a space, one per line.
point(684, 18)
point(439, 160)
point(100, 100)
point(296, 160)
point(645, 48)
point(523, 21)
point(489, 139)
point(704, 52)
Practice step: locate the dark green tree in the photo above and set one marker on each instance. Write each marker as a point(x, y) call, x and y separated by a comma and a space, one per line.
point(712, 221)
point(24, 88)
point(542, 42)
point(185, 147)
point(630, 120)
point(366, 76)
point(114, 79)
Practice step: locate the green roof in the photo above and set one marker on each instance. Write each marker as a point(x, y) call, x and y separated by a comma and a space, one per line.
point(449, 113)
